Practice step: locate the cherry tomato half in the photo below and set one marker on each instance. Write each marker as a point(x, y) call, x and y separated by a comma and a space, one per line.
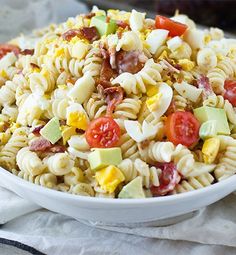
point(169, 178)
point(103, 132)
point(175, 28)
point(5, 48)
point(182, 127)
point(230, 91)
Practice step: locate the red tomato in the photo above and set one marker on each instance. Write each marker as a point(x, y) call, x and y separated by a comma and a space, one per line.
point(103, 132)
point(182, 127)
point(230, 91)
point(5, 48)
point(168, 179)
point(175, 28)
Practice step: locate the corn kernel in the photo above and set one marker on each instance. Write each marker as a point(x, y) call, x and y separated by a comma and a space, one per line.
point(109, 178)
point(210, 149)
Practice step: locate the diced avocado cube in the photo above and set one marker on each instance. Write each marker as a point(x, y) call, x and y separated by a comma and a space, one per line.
point(133, 189)
point(208, 129)
point(101, 158)
point(51, 131)
point(206, 113)
point(103, 27)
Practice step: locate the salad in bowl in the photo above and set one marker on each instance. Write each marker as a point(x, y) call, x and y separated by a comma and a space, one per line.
point(117, 105)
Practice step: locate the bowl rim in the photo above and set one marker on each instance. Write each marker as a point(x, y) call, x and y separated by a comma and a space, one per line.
point(126, 201)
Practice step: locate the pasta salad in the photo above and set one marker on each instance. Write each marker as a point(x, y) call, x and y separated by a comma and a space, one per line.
point(116, 105)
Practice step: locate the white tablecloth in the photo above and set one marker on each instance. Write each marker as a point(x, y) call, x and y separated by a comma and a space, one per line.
point(211, 231)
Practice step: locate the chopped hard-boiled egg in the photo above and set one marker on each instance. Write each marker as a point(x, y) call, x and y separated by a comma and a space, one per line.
point(82, 89)
point(136, 20)
point(153, 102)
point(156, 39)
point(76, 116)
point(186, 64)
point(166, 92)
point(140, 133)
point(151, 90)
point(210, 149)
point(67, 132)
point(174, 43)
point(109, 178)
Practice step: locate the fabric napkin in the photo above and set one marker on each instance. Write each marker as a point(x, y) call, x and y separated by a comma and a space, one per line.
point(212, 230)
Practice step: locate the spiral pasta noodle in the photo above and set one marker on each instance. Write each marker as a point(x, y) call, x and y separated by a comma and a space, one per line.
point(47, 180)
point(136, 83)
point(226, 68)
point(126, 111)
point(29, 162)
point(17, 141)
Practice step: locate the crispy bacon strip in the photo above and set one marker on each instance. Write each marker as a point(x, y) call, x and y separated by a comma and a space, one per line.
point(203, 83)
point(27, 52)
point(89, 15)
point(113, 96)
point(40, 144)
point(106, 74)
point(89, 33)
point(33, 65)
point(36, 130)
point(43, 145)
point(129, 61)
point(122, 24)
point(6, 48)
point(57, 148)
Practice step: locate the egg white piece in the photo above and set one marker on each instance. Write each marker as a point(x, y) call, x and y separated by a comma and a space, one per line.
point(165, 99)
point(156, 39)
point(140, 133)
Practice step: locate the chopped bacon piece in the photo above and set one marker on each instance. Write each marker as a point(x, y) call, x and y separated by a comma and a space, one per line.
point(68, 35)
point(6, 48)
point(33, 65)
point(122, 24)
point(129, 61)
point(113, 97)
point(89, 33)
point(89, 15)
point(57, 148)
point(36, 130)
point(203, 83)
point(27, 52)
point(169, 178)
point(43, 145)
point(40, 144)
point(106, 74)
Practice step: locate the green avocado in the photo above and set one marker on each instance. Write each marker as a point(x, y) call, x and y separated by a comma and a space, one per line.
point(100, 158)
point(133, 189)
point(208, 129)
point(103, 26)
point(206, 113)
point(51, 131)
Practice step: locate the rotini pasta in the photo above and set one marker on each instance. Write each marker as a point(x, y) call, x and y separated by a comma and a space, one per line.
point(94, 112)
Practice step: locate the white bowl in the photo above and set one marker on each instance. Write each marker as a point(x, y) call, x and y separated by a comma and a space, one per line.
point(120, 212)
